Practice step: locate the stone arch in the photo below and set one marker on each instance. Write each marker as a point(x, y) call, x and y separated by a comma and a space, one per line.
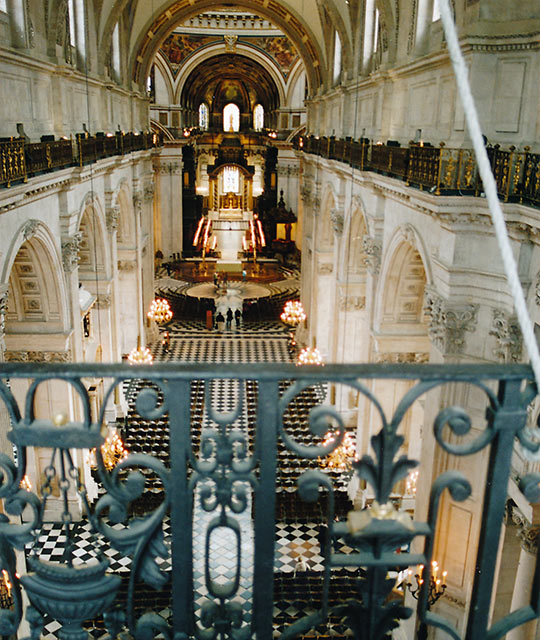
point(37, 298)
point(207, 52)
point(126, 233)
point(404, 277)
point(356, 255)
point(173, 13)
point(338, 24)
point(93, 249)
point(325, 239)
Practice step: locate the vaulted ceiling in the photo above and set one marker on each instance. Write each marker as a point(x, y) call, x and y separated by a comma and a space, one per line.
point(230, 78)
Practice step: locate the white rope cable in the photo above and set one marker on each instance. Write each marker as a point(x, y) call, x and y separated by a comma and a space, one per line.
point(490, 188)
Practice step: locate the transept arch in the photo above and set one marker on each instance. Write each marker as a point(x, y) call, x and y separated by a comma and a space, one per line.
point(155, 31)
point(404, 275)
point(93, 254)
point(325, 234)
point(37, 298)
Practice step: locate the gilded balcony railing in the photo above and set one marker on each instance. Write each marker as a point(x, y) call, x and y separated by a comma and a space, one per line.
point(441, 170)
point(20, 159)
point(12, 162)
point(232, 446)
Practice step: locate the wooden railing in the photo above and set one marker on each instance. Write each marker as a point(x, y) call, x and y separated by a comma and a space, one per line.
point(441, 170)
point(20, 159)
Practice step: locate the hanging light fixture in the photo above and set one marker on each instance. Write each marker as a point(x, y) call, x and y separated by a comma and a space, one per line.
point(309, 355)
point(293, 313)
point(140, 355)
point(341, 457)
point(160, 311)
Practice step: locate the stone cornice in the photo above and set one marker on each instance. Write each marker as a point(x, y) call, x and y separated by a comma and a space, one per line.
point(37, 356)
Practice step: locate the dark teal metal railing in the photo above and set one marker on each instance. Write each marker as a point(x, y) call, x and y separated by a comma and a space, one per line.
point(220, 469)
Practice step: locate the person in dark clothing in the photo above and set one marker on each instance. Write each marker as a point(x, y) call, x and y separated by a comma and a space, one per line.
point(229, 317)
point(237, 317)
point(220, 321)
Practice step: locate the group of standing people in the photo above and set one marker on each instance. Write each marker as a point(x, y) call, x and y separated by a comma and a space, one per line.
point(225, 322)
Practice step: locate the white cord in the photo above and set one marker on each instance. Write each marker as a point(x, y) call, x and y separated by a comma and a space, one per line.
point(490, 187)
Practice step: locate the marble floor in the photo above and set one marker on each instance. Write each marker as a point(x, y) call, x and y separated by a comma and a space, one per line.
point(298, 560)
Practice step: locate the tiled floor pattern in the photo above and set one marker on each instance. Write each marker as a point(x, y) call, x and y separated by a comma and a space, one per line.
point(297, 551)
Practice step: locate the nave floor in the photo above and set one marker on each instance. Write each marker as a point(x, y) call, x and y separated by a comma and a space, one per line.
point(298, 560)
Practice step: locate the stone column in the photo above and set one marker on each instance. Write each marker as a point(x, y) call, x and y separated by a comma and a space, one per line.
point(529, 536)
point(70, 259)
point(168, 204)
point(111, 218)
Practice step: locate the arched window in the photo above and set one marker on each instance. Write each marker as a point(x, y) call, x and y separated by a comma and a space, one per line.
point(258, 117)
point(436, 15)
point(231, 117)
point(231, 179)
point(3, 6)
point(77, 33)
point(371, 34)
point(116, 52)
point(337, 58)
point(203, 116)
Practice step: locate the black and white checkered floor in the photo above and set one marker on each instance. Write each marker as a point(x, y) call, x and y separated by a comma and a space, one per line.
point(297, 554)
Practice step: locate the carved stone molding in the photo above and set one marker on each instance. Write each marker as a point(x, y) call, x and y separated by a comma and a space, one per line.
point(137, 201)
point(111, 218)
point(30, 229)
point(148, 194)
point(325, 268)
point(37, 356)
point(537, 289)
point(288, 170)
point(70, 252)
point(352, 303)
point(372, 250)
point(306, 195)
point(127, 265)
point(103, 301)
point(230, 42)
point(4, 296)
point(402, 358)
point(528, 534)
point(448, 323)
point(505, 329)
point(169, 168)
point(337, 220)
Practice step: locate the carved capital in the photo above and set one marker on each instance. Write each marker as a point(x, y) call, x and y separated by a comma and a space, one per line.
point(528, 533)
point(372, 250)
point(325, 268)
point(103, 301)
point(30, 228)
point(305, 194)
point(111, 218)
point(127, 265)
point(137, 201)
point(70, 252)
point(505, 329)
point(352, 303)
point(337, 220)
point(148, 194)
point(37, 356)
point(403, 358)
point(449, 323)
point(537, 289)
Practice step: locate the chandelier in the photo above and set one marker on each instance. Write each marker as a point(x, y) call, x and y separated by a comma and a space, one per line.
point(160, 311)
point(293, 313)
point(140, 355)
point(112, 452)
point(6, 599)
point(410, 483)
point(309, 355)
point(437, 582)
point(340, 459)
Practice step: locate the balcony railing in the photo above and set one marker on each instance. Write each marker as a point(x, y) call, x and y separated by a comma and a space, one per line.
point(441, 170)
point(232, 446)
point(21, 160)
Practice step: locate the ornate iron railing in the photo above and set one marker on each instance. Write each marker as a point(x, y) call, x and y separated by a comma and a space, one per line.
point(20, 160)
point(441, 170)
point(215, 474)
